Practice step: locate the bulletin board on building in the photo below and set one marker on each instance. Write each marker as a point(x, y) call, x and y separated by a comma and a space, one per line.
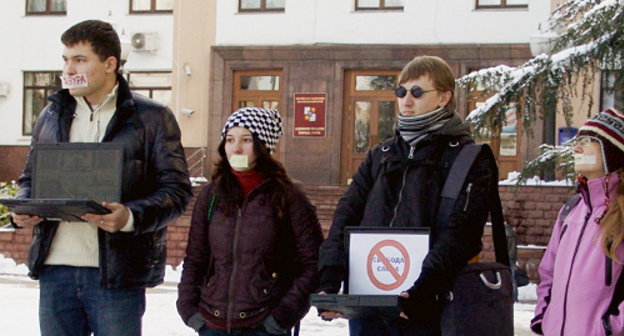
point(310, 117)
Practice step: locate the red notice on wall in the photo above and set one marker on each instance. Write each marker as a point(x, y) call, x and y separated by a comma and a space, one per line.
point(310, 114)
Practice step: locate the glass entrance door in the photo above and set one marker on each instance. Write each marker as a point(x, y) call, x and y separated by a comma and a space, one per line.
point(369, 116)
point(258, 88)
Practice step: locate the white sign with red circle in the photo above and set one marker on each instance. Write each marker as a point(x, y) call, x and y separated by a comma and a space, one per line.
point(385, 263)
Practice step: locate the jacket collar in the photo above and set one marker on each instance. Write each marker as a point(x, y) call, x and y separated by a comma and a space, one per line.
point(594, 192)
point(64, 105)
point(62, 98)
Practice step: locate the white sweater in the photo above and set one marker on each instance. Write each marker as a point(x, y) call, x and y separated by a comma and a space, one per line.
point(76, 243)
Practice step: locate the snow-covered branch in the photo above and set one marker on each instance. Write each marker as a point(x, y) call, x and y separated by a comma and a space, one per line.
point(591, 38)
point(594, 32)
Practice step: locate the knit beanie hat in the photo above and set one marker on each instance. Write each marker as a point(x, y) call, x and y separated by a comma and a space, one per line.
point(264, 124)
point(607, 127)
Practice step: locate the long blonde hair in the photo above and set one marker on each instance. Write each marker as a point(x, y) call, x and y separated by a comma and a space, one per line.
point(613, 223)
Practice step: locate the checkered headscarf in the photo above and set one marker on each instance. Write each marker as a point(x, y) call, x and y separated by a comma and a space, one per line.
point(264, 124)
point(607, 127)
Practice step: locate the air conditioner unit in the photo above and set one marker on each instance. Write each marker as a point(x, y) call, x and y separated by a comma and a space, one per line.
point(144, 41)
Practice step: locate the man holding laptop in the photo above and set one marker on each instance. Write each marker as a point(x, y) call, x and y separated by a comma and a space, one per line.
point(399, 186)
point(93, 273)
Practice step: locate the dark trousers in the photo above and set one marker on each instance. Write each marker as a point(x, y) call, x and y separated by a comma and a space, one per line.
point(372, 326)
point(72, 303)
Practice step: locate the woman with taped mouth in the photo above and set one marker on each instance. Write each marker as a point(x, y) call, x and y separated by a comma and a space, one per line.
point(581, 289)
point(252, 251)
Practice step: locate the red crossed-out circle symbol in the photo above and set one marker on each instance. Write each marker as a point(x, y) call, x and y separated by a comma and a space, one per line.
point(398, 278)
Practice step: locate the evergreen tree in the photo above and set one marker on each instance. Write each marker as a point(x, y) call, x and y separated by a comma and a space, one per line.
point(591, 38)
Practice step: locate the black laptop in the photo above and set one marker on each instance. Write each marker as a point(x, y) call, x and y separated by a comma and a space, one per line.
point(371, 288)
point(71, 179)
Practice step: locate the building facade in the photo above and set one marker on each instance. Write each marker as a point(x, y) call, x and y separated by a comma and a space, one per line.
point(32, 59)
point(328, 66)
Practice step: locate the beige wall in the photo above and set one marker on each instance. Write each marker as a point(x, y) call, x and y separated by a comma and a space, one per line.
point(194, 32)
point(580, 104)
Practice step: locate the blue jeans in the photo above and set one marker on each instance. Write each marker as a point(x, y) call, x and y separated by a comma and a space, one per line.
point(72, 303)
point(253, 331)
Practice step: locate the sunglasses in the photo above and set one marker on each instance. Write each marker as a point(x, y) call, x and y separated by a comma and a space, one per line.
point(416, 91)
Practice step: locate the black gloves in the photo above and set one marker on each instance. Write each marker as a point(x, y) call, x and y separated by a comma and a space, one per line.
point(420, 308)
point(196, 321)
point(330, 278)
point(271, 326)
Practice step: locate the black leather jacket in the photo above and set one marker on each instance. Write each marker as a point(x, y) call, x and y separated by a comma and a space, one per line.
point(400, 186)
point(155, 186)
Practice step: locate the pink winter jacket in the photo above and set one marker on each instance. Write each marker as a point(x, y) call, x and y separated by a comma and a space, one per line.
point(576, 284)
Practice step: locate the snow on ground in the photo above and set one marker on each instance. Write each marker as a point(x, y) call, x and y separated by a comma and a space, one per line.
point(20, 297)
point(512, 179)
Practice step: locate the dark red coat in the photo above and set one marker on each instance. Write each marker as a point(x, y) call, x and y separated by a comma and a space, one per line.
point(242, 267)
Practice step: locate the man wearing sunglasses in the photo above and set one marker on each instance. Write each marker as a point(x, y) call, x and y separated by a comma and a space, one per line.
point(399, 185)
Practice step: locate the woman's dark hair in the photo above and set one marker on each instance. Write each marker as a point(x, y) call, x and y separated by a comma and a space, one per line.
point(101, 35)
point(228, 190)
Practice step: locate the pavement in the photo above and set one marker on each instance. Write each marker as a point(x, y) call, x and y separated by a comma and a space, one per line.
point(20, 297)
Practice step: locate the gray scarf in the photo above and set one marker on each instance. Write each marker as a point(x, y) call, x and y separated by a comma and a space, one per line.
point(415, 128)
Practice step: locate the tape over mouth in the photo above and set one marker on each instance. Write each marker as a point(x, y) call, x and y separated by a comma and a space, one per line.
point(74, 81)
point(239, 161)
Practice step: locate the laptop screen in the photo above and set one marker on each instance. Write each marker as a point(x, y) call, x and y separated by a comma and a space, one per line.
point(90, 171)
point(384, 261)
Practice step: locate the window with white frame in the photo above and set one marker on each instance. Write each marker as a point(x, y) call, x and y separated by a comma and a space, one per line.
point(46, 7)
point(261, 5)
point(484, 4)
point(155, 85)
point(379, 4)
point(151, 6)
point(38, 86)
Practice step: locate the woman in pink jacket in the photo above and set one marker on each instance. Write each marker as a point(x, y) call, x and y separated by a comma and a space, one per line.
point(582, 288)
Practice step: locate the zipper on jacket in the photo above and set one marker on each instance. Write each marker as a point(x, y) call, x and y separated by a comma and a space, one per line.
point(396, 207)
point(468, 188)
point(563, 231)
point(91, 110)
point(234, 267)
point(567, 287)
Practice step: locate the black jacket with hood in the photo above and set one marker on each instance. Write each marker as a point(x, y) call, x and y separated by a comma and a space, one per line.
point(155, 186)
point(399, 186)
